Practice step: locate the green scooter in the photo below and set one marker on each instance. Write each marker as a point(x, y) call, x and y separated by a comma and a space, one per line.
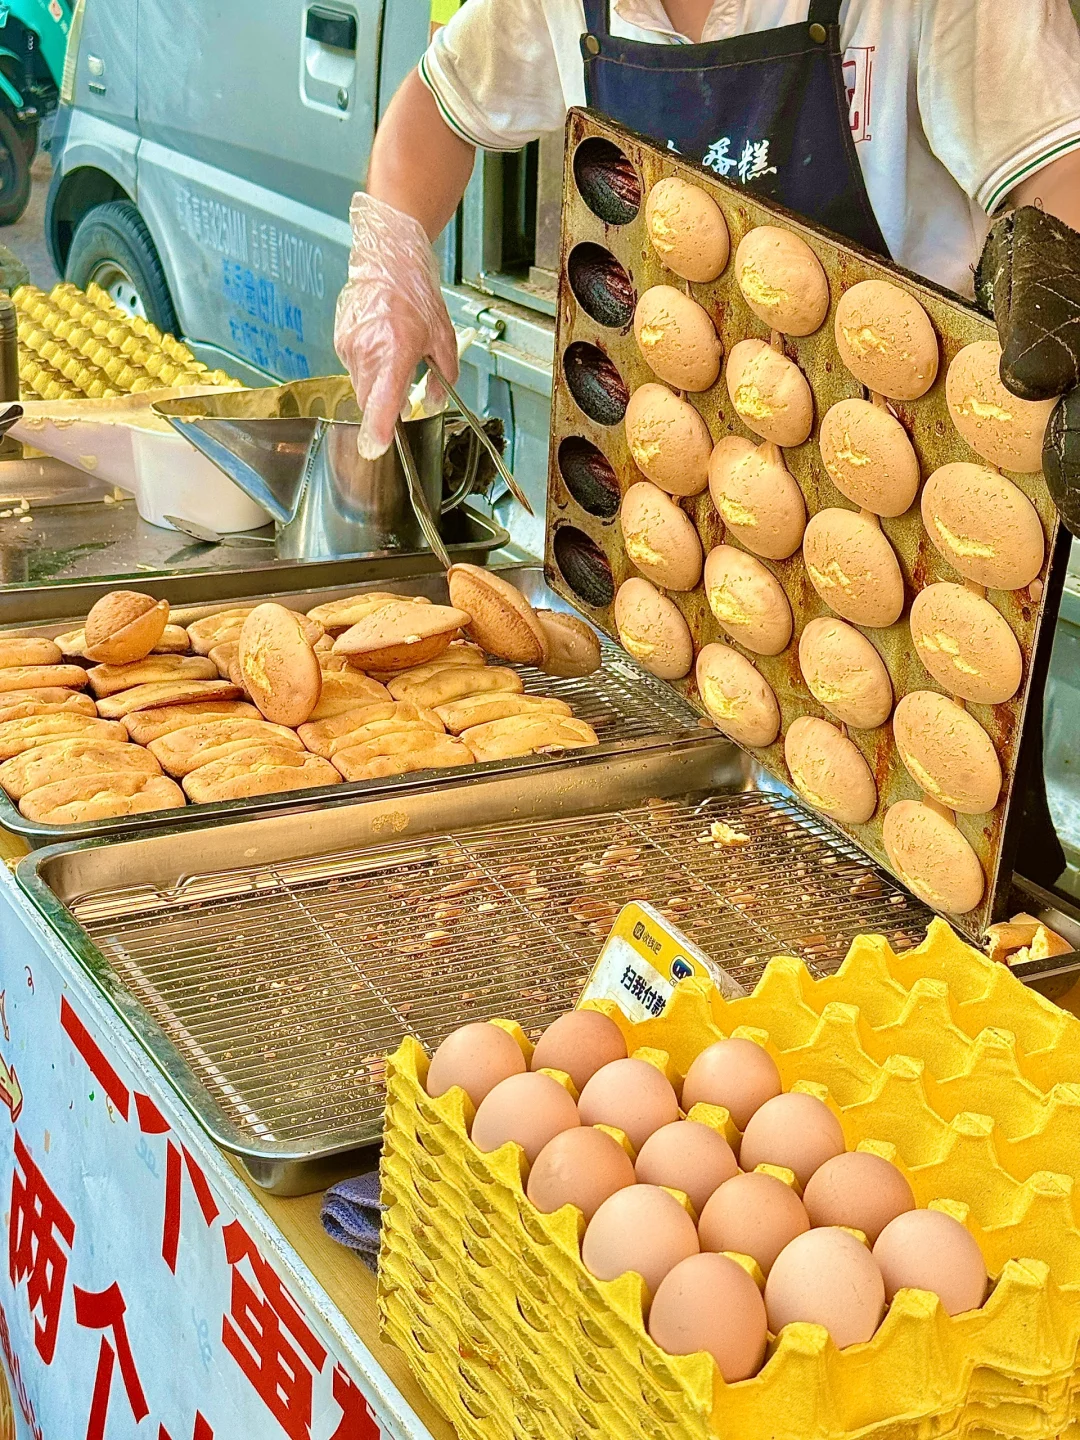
point(33, 43)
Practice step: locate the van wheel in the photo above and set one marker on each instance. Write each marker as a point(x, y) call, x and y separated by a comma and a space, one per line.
point(112, 248)
point(14, 172)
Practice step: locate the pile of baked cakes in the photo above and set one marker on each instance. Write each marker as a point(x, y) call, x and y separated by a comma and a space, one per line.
point(133, 714)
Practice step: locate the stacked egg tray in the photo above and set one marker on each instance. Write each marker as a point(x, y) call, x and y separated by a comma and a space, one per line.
point(937, 1060)
point(591, 469)
point(80, 345)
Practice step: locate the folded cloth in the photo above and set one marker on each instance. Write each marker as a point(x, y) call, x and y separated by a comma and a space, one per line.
point(352, 1215)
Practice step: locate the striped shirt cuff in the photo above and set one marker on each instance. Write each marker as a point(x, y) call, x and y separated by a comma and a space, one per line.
point(430, 76)
point(1033, 158)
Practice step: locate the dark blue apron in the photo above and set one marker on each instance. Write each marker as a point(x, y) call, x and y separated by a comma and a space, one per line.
point(768, 110)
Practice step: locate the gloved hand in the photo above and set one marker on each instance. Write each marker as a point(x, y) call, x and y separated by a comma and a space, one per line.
point(390, 315)
point(1029, 280)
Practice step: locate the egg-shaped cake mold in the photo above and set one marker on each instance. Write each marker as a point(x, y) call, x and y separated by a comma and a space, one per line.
point(601, 285)
point(607, 181)
point(687, 229)
point(589, 476)
point(984, 525)
point(868, 457)
point(595, 383)
point(886, 340)
point(584, 566)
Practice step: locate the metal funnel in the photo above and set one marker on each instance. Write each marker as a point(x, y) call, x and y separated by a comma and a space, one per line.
point(292, 448)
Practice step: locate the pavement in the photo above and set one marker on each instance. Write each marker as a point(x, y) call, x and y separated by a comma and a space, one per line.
point(27, 237)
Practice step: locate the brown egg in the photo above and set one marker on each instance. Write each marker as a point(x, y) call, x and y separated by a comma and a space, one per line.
point(770, 393)
point(857, 1190)
point(869, 457)
point(677, 338)
point(689, 1157)
point(642, 1229)
point(747, 600)
point(983, 525)
point(579, 1043)
point(932, 858)
point(736, 1074)
point(530, 1109)
point(668, 440)
point(928, 1250)
point(755, 1215)
point(632, 1096)
point(581, 1167)
point(736, 696)
point(757, 496)
point(794, 1130)
point(886, 340)
point(996, 424)
point(708, 1302)
point(965, 644)
point(826, 1277)
point(947, 752)
point(828, 769)
point(476, 1057)
point(659, 538)
point(687, 229)
point(652, 629)
point(853, 568)
point(782, 280)
point(845, 673)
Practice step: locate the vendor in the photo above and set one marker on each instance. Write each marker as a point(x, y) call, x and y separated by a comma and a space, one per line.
point(905, 127)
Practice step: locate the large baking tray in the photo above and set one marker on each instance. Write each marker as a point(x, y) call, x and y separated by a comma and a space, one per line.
point(268, 968)
point(927, 422)
point(631, 711)
point(74, 553)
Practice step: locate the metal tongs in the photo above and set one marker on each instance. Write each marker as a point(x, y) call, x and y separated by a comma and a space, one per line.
point(482, 435)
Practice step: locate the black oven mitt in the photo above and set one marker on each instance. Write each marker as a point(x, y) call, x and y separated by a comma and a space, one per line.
point(1028, 279)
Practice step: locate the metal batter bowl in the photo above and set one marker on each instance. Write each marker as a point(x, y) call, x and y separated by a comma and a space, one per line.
point(293, 449)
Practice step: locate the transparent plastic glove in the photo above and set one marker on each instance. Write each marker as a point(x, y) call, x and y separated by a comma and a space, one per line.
point(390, 315)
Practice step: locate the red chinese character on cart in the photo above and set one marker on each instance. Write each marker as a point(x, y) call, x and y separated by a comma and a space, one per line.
point(357, 1421)
point(104, 1310)
point(37, 1226)
point(202, 1429)
point(257, 1334)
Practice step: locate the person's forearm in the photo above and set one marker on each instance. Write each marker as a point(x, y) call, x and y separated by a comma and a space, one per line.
point(1055, 188)
point(418, 164)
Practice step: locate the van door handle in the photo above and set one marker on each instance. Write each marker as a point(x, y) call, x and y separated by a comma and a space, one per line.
point(332, 28)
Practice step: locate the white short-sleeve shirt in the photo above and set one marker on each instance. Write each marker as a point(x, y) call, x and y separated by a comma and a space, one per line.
point(952, 102)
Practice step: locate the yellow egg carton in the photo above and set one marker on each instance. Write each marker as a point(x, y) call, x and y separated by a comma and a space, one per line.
point(75, 344)
point(511, 1336)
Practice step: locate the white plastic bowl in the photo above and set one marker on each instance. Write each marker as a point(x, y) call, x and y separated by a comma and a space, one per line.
point(173, 478)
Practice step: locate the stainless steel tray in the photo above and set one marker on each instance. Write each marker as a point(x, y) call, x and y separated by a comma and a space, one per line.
point(269, 994)
point(630, 710)
point(74, 553)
